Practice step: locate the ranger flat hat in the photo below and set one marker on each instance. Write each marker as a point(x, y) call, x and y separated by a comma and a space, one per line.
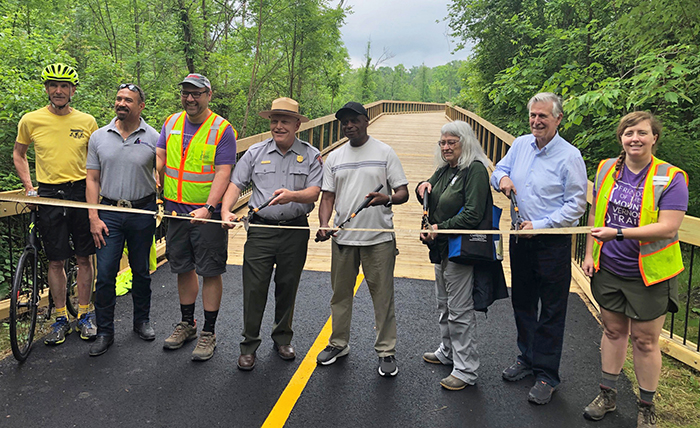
point(285, 106)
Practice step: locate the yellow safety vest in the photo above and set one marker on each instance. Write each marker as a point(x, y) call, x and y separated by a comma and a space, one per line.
point(658, 260)
point(188, 176)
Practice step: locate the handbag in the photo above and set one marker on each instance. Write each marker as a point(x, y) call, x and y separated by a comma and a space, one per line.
point(476, 248)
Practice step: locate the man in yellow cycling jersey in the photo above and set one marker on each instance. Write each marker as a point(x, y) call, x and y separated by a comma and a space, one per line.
point(60, 135)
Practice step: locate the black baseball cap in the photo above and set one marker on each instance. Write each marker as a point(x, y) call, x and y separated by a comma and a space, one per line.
point(353, 108)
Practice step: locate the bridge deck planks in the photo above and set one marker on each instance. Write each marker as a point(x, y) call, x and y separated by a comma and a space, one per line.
point(413, 137)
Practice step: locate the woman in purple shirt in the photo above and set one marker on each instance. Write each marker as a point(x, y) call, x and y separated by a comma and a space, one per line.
point(633, 257)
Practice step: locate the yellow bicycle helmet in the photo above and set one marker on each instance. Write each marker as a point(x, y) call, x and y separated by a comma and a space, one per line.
point(59, 73)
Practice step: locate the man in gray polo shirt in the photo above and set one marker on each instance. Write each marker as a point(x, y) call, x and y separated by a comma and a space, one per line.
point(291, 170)
point(120, 168)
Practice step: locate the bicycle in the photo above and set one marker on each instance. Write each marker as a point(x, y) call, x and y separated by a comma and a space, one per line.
point(27, 286)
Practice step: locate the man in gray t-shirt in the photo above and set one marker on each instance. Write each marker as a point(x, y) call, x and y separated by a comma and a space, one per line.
point(290, 170)
point(120, 168)
point(349, 176)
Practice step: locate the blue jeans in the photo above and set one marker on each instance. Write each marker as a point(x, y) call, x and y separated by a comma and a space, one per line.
point(137, 231)
point(541, 273)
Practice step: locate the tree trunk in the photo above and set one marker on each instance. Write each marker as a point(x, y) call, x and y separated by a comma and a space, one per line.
point(137, 42)
point(253, 73)
point(186, 35)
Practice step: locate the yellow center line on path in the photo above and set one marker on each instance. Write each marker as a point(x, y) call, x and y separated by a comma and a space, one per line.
point(280, 413)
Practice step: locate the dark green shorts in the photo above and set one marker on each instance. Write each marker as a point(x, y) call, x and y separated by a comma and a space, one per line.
point(631, 297)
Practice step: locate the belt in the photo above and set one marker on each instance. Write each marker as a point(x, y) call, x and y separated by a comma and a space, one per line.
point(139, 203)
point(297, 221)
point(66, 185)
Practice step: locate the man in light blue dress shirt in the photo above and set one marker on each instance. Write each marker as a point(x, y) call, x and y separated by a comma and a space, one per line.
point(548, 177)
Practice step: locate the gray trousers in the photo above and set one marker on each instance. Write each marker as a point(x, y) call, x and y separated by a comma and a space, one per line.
point(378, 266)
point(454, 284)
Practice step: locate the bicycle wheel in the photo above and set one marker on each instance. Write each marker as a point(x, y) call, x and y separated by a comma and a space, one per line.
point(23, 305)
point(71, 268)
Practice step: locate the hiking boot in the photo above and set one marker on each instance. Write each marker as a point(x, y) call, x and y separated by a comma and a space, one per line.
point(516, 372)
point(86, 326)
point(602, 404)
point(430, 357)
point(205, 346)
point(646, 414)
point(541, 393)
point(330, 354)
point(184, 332)
point(453, 384)
point(59, 330)
point(387, 366)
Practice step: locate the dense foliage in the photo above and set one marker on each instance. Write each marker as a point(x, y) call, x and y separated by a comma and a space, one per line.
point(606, 58)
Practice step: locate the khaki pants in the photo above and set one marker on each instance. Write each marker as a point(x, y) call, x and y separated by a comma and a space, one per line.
point(378, 267)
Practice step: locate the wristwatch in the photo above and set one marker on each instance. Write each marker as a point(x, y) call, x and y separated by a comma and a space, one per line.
point(210, 208)
point(388, 203)
point(619, 236)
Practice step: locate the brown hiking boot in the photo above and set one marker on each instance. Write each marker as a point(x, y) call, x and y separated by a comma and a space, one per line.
point(184, 332)
point(602, 404)
point(646, 415)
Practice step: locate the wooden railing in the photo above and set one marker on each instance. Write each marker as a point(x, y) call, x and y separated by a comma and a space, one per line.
point(496, 143)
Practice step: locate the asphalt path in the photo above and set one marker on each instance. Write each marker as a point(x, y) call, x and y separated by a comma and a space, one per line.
point(137, 383)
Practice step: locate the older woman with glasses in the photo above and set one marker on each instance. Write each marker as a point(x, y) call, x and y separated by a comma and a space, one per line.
point(459, 197)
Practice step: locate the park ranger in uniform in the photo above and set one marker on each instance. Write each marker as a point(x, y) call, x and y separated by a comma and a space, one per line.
point(290, 171)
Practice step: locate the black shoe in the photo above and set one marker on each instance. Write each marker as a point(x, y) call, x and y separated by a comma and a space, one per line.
point(101, 345)
point(541, 393)
point(145, 331)
point(516, 372)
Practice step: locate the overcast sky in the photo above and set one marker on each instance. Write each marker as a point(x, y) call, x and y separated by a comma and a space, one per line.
point(406, 28)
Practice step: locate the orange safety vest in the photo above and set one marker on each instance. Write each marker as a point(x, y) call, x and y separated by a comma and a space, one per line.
point(188, 176)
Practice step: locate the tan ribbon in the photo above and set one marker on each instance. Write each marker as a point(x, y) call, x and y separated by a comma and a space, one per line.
point(75, 204)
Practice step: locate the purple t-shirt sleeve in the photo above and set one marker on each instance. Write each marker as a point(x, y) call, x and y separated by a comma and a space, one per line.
point(161, 140)
point(676, 195)
point(226, 149)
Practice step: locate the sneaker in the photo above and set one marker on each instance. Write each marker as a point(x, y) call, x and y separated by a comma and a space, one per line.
point(602, 404)
point(516, 372)
point(59, 330)
point(330, 354)
point(184, 332)
point(387, 366)
point(205, 346)
point(646, 415)
point(87, 327)
point(541, 393)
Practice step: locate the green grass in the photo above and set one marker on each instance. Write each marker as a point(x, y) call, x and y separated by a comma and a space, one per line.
point(678, 395)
